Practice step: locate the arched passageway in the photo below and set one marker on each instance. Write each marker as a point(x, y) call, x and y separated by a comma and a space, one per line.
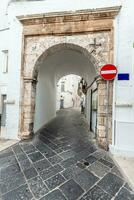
point(58, 63)
point(88, 35)
point(48, 65)
point(47, 59)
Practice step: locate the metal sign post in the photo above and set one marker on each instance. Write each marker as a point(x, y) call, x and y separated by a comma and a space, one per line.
point(108, 72)
point(107, 116)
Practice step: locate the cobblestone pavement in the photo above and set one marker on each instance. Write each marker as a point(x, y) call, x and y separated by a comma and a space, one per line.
point(61, 163)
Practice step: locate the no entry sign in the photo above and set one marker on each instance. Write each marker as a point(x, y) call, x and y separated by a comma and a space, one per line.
point(108, 72)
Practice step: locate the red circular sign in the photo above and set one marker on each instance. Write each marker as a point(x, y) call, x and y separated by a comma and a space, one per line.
point(108, 72)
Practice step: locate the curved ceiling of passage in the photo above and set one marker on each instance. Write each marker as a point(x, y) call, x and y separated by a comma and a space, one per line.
point(60, 49)
point(68, 61)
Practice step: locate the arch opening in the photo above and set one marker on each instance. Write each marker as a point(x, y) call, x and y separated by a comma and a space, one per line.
point(54, 49)
point(69, 93)
point(51, 66)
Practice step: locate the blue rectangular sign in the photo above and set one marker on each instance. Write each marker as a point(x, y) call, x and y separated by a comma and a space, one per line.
point(123, 76)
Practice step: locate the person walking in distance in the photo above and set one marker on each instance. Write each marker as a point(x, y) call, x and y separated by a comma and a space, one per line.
point(83, 104)
point(61, 102)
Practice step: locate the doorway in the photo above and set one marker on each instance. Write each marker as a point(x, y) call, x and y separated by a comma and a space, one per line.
point(94, 106)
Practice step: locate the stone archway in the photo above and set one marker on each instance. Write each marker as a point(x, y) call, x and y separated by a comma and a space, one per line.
point(44, 35)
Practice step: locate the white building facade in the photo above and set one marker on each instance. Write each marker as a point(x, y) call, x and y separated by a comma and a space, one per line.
point(11, 55)
point(67, 87)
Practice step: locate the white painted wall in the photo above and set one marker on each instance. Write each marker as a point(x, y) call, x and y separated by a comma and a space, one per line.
point(4, 15)
point(14, 74)
point(123, 137)
point(55, 66)
point(3, 76)
point(11, 40)
point(4, 45)
point(45, 98)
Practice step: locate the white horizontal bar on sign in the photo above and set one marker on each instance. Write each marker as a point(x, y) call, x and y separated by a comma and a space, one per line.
point(123, 104)
point(108, 72)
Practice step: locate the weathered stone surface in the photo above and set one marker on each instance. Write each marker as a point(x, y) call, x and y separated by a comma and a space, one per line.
point(36, 180)
point(54, 195)
point(111, 184)
point(55, 181)
point(38, 188)
point(22, 192)
point(96, 193)
point(86, 179)
point(124, 194)
point(71, 190)
point(98, 169)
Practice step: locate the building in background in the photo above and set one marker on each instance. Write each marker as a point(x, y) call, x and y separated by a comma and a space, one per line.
point(67, 88)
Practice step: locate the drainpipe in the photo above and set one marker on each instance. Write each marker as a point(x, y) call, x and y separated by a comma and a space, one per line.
point(93, 82)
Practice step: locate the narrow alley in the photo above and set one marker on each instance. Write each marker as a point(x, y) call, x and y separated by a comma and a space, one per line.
point(61, 162)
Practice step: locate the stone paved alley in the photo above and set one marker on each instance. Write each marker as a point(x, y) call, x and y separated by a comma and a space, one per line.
point(61, 163)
